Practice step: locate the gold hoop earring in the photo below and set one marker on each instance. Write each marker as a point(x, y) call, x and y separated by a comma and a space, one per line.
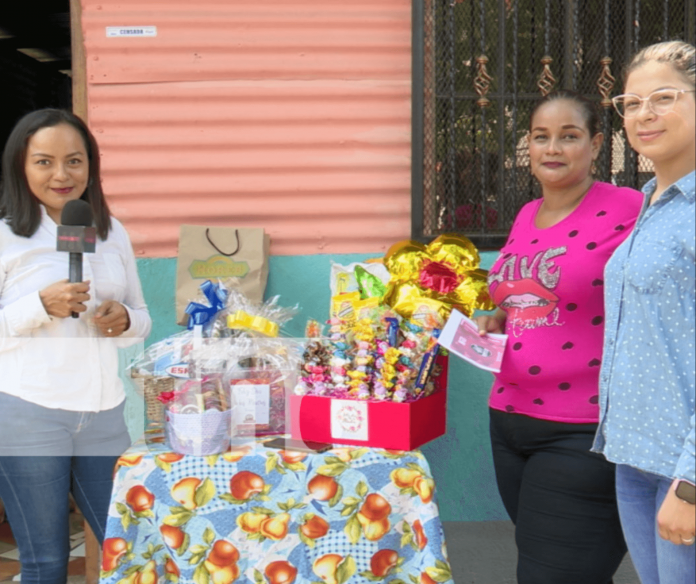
point(593, 168)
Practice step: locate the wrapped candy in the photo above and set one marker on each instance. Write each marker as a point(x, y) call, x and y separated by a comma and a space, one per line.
point(372, 356)
point(386, 380)
point(423, 383)
point(315, 374)
point(340, 360)
point(343, 307)
point(442, 275)
point(372, 360)
point(362, 376)
point(314, 329)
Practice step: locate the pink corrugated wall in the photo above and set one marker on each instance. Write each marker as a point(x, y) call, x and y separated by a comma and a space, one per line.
point(290, 115)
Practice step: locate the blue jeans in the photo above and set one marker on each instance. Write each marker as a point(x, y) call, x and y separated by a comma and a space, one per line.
point(44, 455)
point(28, 429)
point(35, 492)
point(657, 561)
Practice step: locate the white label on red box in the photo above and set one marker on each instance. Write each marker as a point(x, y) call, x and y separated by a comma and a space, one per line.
point(252, 403)
point(349, 419)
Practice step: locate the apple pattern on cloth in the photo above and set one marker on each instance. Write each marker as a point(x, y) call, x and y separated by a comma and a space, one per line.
point(265, 516)
point(550, 282)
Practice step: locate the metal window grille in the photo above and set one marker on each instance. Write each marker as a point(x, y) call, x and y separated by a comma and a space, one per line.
point(479, 66)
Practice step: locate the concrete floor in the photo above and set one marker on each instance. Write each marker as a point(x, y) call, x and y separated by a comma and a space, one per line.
point(485, 553)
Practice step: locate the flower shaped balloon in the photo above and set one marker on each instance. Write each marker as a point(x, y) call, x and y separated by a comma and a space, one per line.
point(442, 275)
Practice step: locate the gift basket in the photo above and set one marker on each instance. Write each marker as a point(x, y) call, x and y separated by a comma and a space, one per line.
point(183, 390)
point(227, 375)
point(262, 365)
point(379, 378)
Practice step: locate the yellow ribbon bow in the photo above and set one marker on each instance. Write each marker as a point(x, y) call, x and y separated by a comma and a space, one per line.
point(245, 321)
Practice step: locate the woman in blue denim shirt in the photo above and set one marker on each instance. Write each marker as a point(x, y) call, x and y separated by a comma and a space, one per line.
point(647, 380)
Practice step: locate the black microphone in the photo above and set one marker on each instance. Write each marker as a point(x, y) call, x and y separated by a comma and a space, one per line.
point(76, 236)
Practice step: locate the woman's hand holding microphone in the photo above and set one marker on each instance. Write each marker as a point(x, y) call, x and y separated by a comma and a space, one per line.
point(63, 298)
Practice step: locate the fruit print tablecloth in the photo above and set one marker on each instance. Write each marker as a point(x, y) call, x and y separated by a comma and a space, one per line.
point(263, 516)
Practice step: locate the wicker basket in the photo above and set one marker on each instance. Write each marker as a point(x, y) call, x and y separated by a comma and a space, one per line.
point(151, 387)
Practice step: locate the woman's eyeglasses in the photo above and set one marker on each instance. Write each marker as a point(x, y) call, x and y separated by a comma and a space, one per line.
point(660, 102)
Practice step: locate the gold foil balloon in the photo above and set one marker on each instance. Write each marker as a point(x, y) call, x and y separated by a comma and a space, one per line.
point(454, 250)
point(403, 297)
point(445, 272)
point(403, 260)
point(473, 291)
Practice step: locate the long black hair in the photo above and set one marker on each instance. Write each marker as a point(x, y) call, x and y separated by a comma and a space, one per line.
point(18, 206)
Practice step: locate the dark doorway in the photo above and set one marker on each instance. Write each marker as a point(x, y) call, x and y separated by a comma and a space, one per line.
point(35, 59)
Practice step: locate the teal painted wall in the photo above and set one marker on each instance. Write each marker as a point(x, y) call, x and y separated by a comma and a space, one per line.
point(460, 461)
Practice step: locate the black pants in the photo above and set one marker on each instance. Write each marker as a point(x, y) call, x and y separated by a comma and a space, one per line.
point(561, 498)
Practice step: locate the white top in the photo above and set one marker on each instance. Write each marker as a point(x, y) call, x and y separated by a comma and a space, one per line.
point(65, 363)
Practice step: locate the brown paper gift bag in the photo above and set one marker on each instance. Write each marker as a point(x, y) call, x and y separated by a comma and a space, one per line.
point(220, 253)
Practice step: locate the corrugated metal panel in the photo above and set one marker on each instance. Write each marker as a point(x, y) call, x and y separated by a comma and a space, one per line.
point(290, 115)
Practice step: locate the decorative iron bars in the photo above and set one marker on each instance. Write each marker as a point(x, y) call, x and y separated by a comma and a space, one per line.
point(479, 67)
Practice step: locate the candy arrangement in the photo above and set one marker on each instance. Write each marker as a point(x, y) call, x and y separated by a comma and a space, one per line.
point(379, 356)
point(381, 342)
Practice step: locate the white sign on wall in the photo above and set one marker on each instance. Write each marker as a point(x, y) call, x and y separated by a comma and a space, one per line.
point(131, 31)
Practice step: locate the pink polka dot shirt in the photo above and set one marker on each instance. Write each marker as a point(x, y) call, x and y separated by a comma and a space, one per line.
point(550, 283)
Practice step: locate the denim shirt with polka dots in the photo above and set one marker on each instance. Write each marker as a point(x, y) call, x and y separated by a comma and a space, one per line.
point(646, 388)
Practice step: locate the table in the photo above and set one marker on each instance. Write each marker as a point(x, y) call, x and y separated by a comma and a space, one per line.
point(263, 516)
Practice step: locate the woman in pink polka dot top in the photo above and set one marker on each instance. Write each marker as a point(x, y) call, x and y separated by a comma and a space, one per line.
point(548, 286)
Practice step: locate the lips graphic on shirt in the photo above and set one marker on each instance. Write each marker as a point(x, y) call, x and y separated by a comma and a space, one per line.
point(525, 300)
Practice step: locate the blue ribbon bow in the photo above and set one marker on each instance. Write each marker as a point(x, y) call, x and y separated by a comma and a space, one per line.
point(200, 314)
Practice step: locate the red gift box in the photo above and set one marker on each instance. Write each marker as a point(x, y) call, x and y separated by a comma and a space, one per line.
point(377, 424)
